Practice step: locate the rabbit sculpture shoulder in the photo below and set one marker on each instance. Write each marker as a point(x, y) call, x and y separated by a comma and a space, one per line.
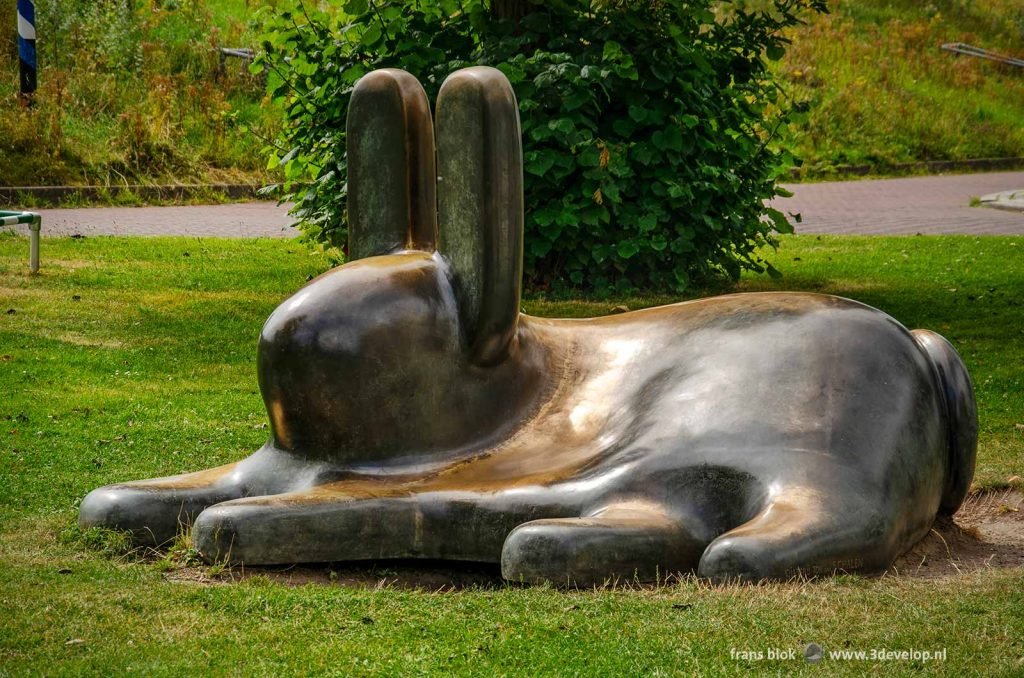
point(416, 413)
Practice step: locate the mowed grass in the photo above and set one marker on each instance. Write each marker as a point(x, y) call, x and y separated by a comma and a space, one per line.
point(129, 358)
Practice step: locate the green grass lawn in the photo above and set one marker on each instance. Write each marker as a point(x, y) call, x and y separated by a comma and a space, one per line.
point(129, 358)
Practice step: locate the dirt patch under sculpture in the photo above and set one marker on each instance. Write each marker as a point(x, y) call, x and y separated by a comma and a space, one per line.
point(987, 532)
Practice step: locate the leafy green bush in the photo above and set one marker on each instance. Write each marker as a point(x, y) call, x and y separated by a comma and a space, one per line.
point(648, 126)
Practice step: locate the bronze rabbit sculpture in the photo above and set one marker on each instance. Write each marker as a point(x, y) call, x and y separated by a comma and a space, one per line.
point(416, 413)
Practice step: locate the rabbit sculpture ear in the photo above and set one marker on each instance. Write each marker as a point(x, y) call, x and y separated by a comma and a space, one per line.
point(391, 171)
point(480, 205)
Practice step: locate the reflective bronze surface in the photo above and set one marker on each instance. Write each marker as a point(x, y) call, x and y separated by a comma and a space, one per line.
point(416, 413)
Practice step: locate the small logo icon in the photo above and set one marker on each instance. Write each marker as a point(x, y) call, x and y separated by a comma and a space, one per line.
point(813, 653)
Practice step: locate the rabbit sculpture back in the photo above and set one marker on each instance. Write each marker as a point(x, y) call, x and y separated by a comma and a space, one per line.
point(415, 412)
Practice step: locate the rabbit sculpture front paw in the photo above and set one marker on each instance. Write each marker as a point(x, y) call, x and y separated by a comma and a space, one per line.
point(415, 413)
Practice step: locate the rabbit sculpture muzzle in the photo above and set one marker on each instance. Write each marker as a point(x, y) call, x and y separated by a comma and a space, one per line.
point(417, 414)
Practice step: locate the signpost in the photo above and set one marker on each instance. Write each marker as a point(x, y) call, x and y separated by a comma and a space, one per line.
point(27, 47)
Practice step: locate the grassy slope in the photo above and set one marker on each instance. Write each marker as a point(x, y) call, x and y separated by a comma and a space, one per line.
point(882, 91)
point(150, 370)
point(132, 97)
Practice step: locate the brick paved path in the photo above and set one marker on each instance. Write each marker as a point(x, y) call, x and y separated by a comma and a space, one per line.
point(928, 205)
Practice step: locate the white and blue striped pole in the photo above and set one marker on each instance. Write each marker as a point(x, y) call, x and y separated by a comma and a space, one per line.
point(27, 46)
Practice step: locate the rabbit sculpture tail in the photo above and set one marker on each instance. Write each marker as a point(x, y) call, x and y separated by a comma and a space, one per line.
point(416, 413)
point(961, 413)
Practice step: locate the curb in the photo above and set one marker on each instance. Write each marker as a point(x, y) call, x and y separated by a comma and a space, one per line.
point(1011, 201)
point(55, 194)
point(909, 168)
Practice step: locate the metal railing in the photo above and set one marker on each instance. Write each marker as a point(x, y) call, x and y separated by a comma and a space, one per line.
point(35, 223)
point(971, 50)
point(243, 54)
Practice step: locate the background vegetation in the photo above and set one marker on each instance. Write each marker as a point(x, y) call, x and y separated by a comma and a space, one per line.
point(133, 357)
point(881, 91)
point(649, 129)
point(130, 93)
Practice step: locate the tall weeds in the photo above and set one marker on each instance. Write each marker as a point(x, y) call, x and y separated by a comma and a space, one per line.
point(882, 92)
point(132, 91)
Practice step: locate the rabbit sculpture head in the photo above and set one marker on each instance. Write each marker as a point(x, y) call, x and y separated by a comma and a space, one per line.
point(416, 413)
point(414, 345)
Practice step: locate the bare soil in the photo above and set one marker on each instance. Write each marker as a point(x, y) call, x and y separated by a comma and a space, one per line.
point(986, 533)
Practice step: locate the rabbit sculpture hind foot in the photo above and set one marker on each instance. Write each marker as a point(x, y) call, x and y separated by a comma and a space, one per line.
point(415, 413)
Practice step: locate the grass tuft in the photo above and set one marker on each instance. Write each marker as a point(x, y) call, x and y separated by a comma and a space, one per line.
point(112, 543)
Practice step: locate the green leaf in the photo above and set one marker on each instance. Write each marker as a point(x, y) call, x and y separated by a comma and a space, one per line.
point(540, 247)
point(611, 191)
point(779, 220)
point(662, 72)
point(668, 139)
point(541, 133)
point(590, 157)
point(512, 72)
point(677, 190)
point(371, 35)
point(643, 154)
point(647, 222)
point(546, 215)
point(775, 51)
point(539, 162)
point(612, 51)
point(567, 218)
point(287, 157)
point(562, 126)
point(638, 113)
point(627, 249)
point(576, 100)
point(627, 69)
point(624, 127)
